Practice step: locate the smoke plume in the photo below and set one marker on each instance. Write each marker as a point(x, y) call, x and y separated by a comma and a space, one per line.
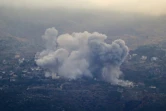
point(84, 54)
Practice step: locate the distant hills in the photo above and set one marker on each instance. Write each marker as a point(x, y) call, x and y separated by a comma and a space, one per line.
point(135, 29)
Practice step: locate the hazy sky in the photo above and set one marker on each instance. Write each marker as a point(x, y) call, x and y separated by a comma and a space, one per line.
point(154, 7)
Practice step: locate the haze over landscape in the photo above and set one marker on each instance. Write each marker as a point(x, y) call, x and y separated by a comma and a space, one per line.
point(140, 6)
point(31, 18)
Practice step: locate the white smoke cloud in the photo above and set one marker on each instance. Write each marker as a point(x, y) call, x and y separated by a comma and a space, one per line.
point(50, 37)
point(83, 55)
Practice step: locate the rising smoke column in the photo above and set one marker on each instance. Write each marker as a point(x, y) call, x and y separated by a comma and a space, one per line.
point(87, 54)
